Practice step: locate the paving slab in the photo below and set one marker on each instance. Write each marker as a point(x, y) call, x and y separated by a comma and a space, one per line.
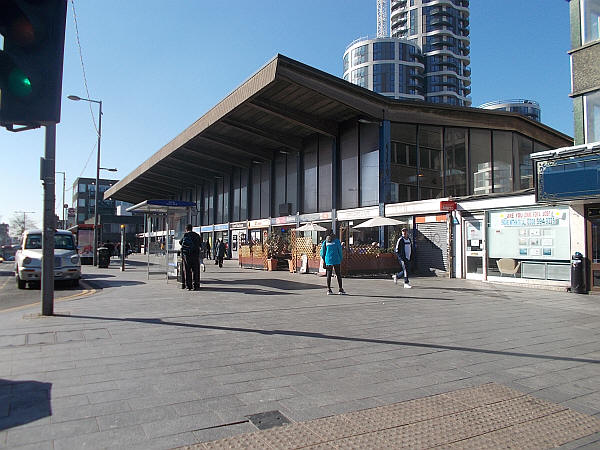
point(143, 364)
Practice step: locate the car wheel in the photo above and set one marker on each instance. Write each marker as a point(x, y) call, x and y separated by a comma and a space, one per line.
point(20, 283)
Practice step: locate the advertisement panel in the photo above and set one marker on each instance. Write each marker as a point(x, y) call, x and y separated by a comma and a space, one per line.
point(85, 241)
point(533, 234)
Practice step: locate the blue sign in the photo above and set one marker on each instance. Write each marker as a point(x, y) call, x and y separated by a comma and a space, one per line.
point(568, 178)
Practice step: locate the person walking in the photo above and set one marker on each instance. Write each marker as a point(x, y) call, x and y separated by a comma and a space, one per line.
point(220, 252)
point(190, 255)
point(404, 252)
point(331, 253)
point(216, 251)
point(201, 255)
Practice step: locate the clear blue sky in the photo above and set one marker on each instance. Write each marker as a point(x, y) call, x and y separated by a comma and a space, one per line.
point(158, 66)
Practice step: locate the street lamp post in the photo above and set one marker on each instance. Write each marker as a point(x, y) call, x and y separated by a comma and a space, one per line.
point(95, 243)
point(64, 224)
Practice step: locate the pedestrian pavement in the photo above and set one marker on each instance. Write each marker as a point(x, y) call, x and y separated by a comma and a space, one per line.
point(140, 363)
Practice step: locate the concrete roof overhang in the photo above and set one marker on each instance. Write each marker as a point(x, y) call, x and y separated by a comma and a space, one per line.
point(274, 111)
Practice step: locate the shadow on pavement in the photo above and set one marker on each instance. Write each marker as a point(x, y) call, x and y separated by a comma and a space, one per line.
point(284, 285)
point(23, 402)
point(435, 347)
point(242, 290)
point(105, 284)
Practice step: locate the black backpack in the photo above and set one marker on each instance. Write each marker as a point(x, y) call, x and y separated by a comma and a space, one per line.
point(187, 244)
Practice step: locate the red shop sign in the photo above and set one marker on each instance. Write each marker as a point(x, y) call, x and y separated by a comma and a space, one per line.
point(446, 205)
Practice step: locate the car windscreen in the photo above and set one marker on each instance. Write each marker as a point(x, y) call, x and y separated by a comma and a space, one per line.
point(61, 241)
point(33, 242)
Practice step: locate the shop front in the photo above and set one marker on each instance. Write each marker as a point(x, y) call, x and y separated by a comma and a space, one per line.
point(239, 232)
point(517, 241)
point(252, 254)
point(222, 235)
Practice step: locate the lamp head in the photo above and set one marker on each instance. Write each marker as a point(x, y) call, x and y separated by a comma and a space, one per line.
point(74, 97)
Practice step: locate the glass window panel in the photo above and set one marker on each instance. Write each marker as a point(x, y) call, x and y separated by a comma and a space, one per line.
point(310, 176)
point(280, 183)
point(236, 195)
point(255, 194)
point(404, 171)
point(292, 182)
point(349, 168)
point(82, 187)
point(480, 161)
point(360, 76)
point(383, 77)
point(430, 152)
point(220, 196)
point(591, 20)
point(324, 182)
point(359, 55)
point(523, 148)
point(265, 190)
point(592, 120)
point(205, 219)
point(502, 154)
point(455, 145)
point(383, 50)
point(244, 181)
point(369, 164)
point(226, 188)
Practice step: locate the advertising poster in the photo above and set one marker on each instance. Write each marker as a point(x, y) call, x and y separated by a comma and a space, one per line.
point(534, 233)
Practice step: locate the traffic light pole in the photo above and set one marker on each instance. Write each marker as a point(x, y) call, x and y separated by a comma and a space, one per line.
point(48, 226)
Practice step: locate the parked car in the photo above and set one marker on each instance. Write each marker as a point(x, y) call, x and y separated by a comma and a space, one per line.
point(28, 260)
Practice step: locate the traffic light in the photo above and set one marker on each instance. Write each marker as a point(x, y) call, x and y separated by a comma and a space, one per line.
point(31, 61)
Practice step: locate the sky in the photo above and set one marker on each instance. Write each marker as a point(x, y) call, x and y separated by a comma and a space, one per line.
point(159, 66)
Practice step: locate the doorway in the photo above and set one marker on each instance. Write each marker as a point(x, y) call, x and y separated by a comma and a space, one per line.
point(474, 239)
point(593, 245)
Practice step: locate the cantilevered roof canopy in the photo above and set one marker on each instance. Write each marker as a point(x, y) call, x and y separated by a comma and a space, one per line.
point(274, 110)
point(161, 206)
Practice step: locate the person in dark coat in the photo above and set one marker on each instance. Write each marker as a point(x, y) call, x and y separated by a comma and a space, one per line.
point(404, 252)
point(190, 257)
point(220, 252)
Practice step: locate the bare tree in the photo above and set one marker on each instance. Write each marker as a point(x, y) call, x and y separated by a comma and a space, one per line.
point(19, 223)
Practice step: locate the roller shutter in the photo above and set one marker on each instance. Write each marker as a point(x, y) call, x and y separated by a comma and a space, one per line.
point(432, 248)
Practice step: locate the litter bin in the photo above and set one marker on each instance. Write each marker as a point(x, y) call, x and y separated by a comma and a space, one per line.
point(578, 274)
point(103, 257)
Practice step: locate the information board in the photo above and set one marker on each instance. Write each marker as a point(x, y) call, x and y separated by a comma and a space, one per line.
point(533, 234)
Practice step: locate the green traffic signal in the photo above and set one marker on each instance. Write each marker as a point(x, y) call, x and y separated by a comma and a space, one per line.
point(18, 83)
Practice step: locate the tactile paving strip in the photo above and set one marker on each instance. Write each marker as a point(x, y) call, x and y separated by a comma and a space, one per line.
point(489, 416)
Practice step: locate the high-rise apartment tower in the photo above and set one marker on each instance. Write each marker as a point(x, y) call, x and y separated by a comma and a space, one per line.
point(440, 28)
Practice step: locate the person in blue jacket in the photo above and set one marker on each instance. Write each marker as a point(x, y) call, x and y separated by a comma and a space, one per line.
point(331, 253)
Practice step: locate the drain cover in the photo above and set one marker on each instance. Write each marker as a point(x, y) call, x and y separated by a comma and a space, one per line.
point(269, 419)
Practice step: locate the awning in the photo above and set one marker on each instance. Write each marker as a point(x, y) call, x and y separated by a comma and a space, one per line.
point(161, 206)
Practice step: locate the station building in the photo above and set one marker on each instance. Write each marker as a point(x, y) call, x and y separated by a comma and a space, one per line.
point(293, 145)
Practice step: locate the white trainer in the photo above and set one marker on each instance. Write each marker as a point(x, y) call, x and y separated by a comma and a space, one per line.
point(395, 278)
point(407, 286)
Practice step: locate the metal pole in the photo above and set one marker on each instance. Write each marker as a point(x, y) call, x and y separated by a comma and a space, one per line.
point(63, 203)
point(95, 246)
point(48, 227)
point(122, 247)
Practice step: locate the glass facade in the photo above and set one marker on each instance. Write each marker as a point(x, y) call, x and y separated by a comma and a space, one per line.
point(426, 162)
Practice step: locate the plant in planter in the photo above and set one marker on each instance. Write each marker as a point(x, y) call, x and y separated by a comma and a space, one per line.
point(275, 245)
